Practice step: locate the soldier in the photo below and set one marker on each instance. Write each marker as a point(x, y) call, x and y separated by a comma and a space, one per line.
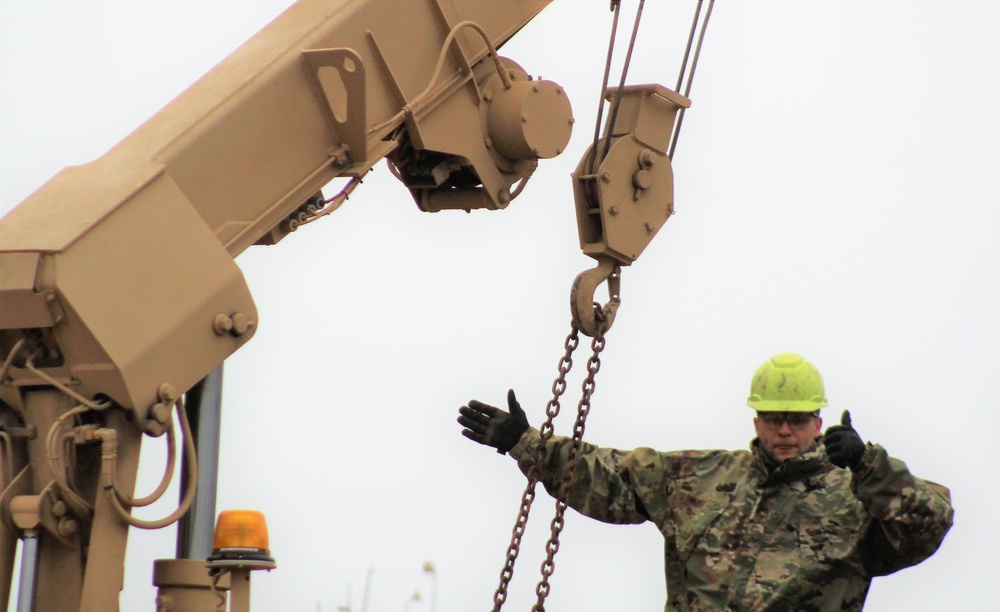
point(801, 521)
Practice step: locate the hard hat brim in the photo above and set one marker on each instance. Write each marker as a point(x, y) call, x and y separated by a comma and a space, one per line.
point(787, 405)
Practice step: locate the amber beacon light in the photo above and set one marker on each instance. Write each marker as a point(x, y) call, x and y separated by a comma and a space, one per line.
point(241, 541)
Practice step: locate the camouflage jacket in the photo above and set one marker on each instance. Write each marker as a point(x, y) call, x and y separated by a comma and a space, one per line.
point(744, 535)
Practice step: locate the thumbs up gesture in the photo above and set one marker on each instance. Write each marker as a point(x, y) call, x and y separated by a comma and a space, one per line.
point(843, 444)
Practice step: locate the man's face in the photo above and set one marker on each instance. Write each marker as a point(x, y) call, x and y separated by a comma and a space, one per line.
point(786, 435)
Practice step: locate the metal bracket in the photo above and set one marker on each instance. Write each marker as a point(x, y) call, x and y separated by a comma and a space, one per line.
point(338, 75)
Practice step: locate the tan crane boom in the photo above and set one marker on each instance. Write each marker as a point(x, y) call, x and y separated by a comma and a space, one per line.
point(118, 285)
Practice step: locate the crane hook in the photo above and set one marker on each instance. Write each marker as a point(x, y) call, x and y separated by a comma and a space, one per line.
point(588, 315)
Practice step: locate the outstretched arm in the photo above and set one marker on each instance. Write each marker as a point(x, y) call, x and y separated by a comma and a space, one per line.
point(602, 486)
point(607, 484)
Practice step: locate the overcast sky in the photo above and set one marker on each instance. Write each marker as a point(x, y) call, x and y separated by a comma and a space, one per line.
point(837, 195)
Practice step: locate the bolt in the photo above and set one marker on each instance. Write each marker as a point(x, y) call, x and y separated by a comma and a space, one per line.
point(642, 179)
point(168, 393)
point(488, 142)
point(241, 324)
point(339, 153)
point(504, 196)
point(58, 509)
point(487, 96)
point(646, 158)
point(151, 428)
point(222, 324)
point(613, 210)
point(67, 527)
point(605, 177)
point(160, 413)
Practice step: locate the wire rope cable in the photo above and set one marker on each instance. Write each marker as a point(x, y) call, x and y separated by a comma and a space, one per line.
point(694, 66)
point(616, 9)
point(624, 75)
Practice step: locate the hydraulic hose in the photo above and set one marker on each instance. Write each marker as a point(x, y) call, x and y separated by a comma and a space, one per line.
point(168, 475)
point(109, 461)
point(442, 56)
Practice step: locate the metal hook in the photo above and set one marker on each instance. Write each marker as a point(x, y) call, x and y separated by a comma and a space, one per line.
point(588, 315)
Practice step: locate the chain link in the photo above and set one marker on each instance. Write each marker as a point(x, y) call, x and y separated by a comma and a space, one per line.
point(545, 431)
point(551, 411)
point(558, 521)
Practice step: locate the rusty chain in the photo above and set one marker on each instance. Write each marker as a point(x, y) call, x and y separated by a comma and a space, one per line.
point(558, 521)
point(551, 411)
point(545, 432)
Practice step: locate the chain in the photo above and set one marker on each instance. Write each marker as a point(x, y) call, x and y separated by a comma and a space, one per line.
point(551, 411)
point(558, 521)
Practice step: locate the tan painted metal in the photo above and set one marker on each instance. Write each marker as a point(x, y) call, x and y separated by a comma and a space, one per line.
point(625, 196)
point(183, 585)
point(118, 286)
point(328, 89)
point(118, 289)
point(624, 193)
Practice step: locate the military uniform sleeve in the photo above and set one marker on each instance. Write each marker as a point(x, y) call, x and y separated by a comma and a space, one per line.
point(605, 485)
point(911, 516)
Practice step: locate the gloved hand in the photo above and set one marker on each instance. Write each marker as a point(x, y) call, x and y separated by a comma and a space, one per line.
point(492, 426)
point(843, 445)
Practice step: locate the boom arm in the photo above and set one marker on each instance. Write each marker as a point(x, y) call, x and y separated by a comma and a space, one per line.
point(118, 285)
point(327, 90)
point(118, 289)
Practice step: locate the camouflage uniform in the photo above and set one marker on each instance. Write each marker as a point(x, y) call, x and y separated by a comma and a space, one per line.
point(742, 533)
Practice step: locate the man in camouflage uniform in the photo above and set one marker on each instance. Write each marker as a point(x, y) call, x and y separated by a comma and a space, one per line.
point(799, 522)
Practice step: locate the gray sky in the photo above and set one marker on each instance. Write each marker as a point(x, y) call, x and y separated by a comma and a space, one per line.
point(837, 195)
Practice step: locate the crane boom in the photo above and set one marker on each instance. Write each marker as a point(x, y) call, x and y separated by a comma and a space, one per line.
point(118, 285)
point(119, 289)
point(328, 89)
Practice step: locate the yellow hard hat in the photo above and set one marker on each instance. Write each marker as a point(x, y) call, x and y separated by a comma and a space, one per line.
point(786, 383)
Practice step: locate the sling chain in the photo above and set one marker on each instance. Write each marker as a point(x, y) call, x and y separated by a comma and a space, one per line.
point(552, 546)
point(552, 410)
point(603, 318)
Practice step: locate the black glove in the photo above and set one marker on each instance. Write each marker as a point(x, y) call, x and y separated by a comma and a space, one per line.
point(492, 426)
point(843, 444)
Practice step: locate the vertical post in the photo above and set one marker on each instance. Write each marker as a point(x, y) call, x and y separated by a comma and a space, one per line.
point(204, 405)
point(60, 567)
point(239, 589)
point(184, 582)
point(29, 572)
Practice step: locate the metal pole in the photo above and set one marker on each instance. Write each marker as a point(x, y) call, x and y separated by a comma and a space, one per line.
point(239, 600)
point(29, 572)
point(197, 530)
